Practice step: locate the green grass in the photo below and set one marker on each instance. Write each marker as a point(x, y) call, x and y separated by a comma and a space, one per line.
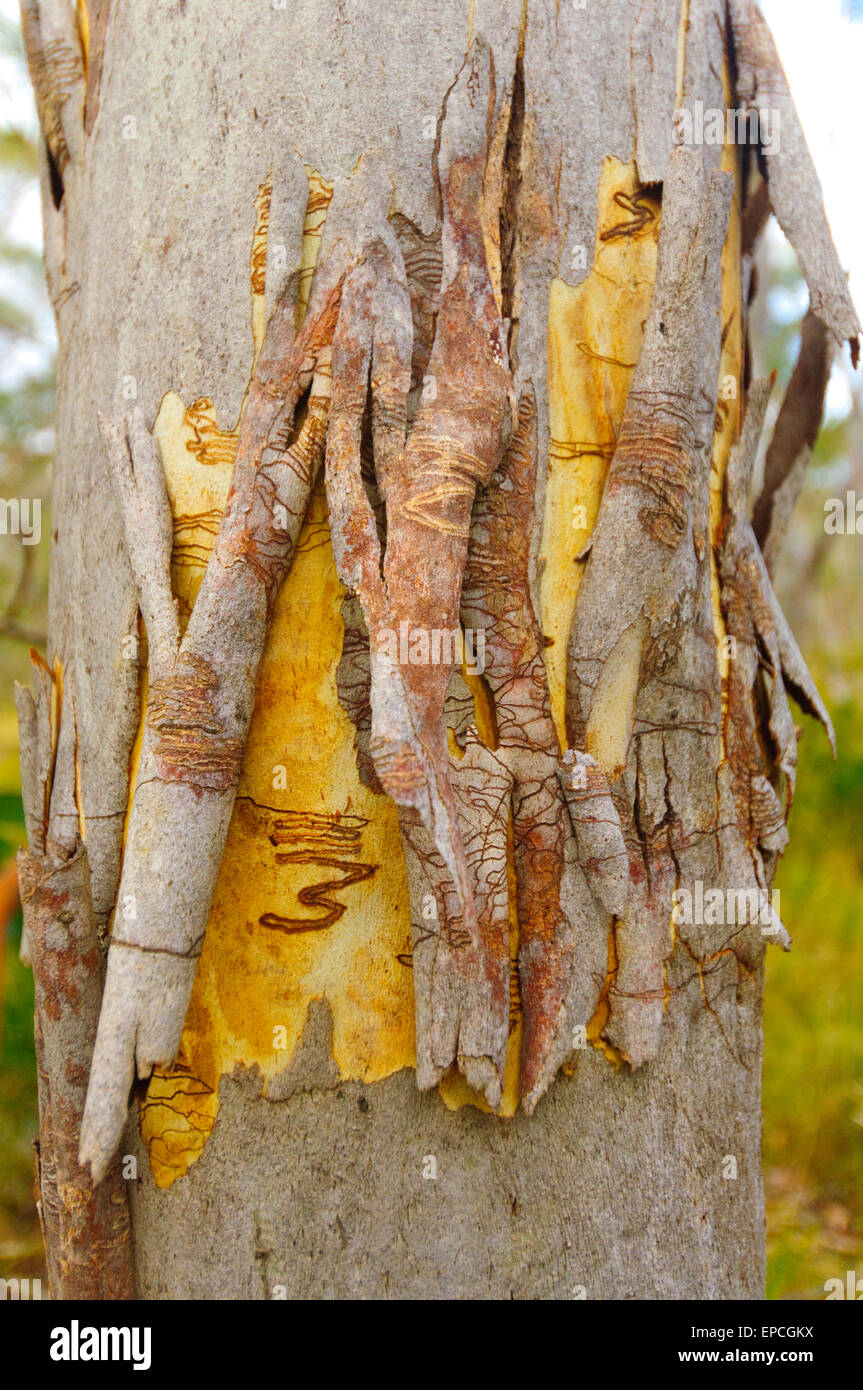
point(813, 1068)
point(20, 1241)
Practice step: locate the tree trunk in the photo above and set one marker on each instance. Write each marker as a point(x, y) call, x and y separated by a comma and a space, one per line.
point(431, 891)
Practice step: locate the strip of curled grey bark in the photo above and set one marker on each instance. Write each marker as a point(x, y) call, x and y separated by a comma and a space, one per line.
point(85, 1226)
point(52, 42)
point(642, 660)
point(427, 478)
point(794, 435)
point(200, 700)
point(753, 818)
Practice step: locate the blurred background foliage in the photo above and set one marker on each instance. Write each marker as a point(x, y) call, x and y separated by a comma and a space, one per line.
point(813, 1074)
point(813, 1064)
point(26, 446)
point(26, 364)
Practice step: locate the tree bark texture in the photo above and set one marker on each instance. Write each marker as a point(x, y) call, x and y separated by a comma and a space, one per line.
point(401, 325)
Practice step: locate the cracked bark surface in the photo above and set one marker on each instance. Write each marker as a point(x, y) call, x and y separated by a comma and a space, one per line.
point(417, 381)
point(85, 1225)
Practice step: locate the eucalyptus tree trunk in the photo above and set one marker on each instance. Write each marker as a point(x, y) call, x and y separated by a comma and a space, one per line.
point(413, 752)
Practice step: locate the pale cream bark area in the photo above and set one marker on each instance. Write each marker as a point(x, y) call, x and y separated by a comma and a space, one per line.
point(389, 323)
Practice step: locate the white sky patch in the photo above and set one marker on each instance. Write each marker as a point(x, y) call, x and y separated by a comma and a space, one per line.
point(822, 54)
point(16, 99)
point(21, 224)
point(823, 62)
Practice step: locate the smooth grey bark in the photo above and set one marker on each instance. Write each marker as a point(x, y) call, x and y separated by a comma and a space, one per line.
point(612, 1189)
point(617, 1186)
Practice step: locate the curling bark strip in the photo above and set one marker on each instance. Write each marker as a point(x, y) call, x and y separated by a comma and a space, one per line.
point(203, 694)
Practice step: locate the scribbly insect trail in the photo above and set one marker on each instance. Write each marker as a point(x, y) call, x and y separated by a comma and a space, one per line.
point(259, 241)
point(193, 551)
point(640, 215)
point(315, 535)
point(210, 445)
point(656, 456)
point(568, 450)
point(182, 715)
point(320, 196)
point(194, 535)
point(181, 1083)
point(423, 263)
point(462, 470)
point(175, 1117)
point(595, 356)
point(325, 840)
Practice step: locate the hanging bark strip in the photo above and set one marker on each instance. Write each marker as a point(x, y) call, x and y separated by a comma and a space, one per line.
point(794, 435)
point(85, 1227)
point(563, 930)
point(56, 64)
point(427, 479)
point(793, 185)
point(643, 697)
point(201, 696)
point(754, 818)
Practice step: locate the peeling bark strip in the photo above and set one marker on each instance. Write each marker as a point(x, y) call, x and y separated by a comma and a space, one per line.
point(753, 830)
point(562, 936)
point(428, 481)
point(85, 1227)
point(56, 63)
point(794, 434)
point(644, 695)
point(793, 185)
point(203, 694)
point(754, 618)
